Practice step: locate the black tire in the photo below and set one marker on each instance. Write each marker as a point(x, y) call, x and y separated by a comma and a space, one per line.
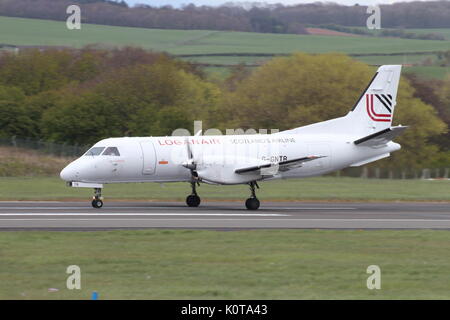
point(97, 203)
point(252, 203)
point(193, 200)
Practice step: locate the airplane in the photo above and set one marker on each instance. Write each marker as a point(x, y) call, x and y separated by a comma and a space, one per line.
point(362, 136)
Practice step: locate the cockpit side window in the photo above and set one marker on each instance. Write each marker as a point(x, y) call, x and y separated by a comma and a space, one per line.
point(111, 151)
point(95, 151)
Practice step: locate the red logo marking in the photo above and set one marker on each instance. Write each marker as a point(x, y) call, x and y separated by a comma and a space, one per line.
point(371, 112)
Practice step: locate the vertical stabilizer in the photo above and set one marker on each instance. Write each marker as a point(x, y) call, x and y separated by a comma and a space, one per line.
point(374, 109)
point(372, 112)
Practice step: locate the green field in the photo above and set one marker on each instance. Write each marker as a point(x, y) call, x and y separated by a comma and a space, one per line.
point(228, 60)
point(233, 60)
point(194, 264)
point(400, 59)
point(19, 31)
point(430, 72)
point(321, 188)
point(241, 42)
point(442, 31)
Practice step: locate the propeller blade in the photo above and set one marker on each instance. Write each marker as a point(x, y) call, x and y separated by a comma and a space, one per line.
point(190, 163)
point(189, 150)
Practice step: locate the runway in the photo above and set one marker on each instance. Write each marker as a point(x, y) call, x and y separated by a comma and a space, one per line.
point(22, 215)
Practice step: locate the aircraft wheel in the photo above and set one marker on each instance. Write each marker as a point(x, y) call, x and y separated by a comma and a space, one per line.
point(193, 200)
point(252, 203)
point(97, 203)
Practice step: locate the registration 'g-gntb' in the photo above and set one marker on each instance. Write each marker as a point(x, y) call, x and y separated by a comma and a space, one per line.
point(362, 136)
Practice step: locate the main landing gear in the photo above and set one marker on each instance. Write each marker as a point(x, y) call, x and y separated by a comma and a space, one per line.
point(193, 200)
point(97, 199)
point(252, 203)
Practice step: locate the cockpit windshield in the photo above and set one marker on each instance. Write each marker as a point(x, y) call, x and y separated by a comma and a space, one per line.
point(111, 151)
point(95, 151)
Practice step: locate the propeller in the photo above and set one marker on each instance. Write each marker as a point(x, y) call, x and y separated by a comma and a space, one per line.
point(190, 163)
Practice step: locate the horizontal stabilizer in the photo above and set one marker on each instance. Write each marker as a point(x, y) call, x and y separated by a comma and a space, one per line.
point(270, 168)
point(380, 138)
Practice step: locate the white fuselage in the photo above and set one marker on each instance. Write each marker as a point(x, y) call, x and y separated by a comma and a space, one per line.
point(160, 159)
point(362, 136)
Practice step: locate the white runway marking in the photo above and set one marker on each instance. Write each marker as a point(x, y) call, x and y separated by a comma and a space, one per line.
point(306, 208)
point(180, 207)
point(195, 219)
point(31, 201)
point(60, 214)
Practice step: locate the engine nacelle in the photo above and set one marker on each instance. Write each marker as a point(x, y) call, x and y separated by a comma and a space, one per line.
point(221, 170)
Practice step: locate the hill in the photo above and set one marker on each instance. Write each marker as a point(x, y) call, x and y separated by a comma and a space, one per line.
point(19, 31)
point(216, 47)
point(255, 17)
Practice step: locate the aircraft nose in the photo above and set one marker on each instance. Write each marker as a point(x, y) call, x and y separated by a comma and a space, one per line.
point(68, 173)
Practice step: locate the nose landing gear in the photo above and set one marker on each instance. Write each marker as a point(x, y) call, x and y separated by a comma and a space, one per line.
point(97, 199)
point(193, 200)
point(252, 203)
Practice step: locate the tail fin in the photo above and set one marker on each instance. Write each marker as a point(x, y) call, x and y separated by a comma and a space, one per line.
point(372, 112)
point(375, 107)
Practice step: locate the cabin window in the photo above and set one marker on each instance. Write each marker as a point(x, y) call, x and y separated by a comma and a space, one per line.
point(111, 151)
point(95, 151)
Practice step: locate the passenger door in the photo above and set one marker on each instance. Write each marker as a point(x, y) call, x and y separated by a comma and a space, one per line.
point(148, 157)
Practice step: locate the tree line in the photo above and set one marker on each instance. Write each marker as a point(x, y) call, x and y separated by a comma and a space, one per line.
point(270, 19)
point(79, 96)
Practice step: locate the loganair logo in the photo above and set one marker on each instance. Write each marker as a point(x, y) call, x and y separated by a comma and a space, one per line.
point(386, 101)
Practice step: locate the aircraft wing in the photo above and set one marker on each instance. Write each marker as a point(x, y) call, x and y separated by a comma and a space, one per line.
point(380, 138)
point(270, 168)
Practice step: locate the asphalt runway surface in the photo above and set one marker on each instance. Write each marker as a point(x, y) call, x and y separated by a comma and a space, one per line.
point(27, 215)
